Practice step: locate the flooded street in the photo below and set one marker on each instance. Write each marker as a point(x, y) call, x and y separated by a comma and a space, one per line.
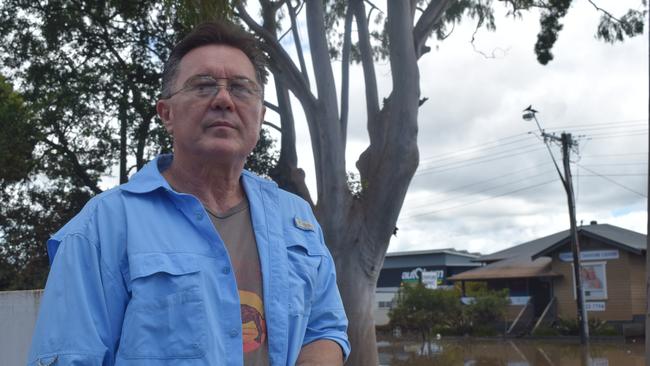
point(508, 352)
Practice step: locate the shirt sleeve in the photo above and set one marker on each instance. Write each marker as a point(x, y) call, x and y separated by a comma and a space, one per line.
point(82, 308)
point(327, 319)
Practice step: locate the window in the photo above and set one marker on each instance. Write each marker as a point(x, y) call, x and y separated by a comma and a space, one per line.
point(594, 280)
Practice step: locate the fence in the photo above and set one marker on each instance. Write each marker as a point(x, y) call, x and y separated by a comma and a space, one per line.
point(18, 311)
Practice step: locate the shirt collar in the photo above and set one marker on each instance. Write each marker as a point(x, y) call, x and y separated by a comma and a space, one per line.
point(150, 178)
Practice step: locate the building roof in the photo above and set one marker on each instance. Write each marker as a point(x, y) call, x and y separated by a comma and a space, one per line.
point(616, 236)
point(451, 251)
point(517, 267)
point(430, 258)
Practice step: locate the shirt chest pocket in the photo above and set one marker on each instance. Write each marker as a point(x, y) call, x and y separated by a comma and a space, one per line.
point(165, 318)
point(305, 254)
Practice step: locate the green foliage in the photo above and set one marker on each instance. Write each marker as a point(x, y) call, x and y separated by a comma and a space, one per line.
point(87, 75)
point(18, 136)
point(429, 311)
point(29, 215)
point(488, 307)
point(615, 30)
point(597, 327)
point(193, 12)
point(550, 28)
point(422, 309)
point(546, 331)
point(610, 28)
point(355, 185)
point(264, 157)
point(472, 288)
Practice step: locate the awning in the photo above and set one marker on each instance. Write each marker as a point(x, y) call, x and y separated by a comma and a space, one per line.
point(518, 267)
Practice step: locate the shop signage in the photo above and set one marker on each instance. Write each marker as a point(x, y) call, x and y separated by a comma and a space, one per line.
point(590, 255)
point(430, 279)
point(519, 300)
point(595, 306)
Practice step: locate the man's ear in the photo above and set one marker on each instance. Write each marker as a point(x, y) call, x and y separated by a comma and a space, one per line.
point(164, 112)
point(263, 113)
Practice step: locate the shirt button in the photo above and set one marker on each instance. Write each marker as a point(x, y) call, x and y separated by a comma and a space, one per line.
point(233, 333)
point(225, 270)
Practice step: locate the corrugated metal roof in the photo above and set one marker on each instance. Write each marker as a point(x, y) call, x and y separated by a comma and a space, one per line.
point(614, 235)
point(451, 251)
point(518, 267)
point(619, 235)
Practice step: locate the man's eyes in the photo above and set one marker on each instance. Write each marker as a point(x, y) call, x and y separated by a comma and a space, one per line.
point(205, 86)
point(240, 87)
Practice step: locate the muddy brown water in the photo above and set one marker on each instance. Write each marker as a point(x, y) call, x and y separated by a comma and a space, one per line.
point(509, 352)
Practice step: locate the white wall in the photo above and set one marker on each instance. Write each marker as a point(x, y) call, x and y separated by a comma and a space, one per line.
point(18, 311)
point(383, 295)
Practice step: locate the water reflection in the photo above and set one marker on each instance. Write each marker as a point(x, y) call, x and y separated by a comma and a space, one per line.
point(481, 352)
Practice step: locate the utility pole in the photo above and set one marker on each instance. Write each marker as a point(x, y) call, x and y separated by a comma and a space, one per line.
point(567, 142)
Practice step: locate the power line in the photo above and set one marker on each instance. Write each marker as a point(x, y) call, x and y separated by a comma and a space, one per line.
point(479, 191)
point(501, 176)
point(615, 175)
point(527, 133)
point(643, 131)
point(612, 181)
point(608, 155)
point(618, 164)
point(599, 124)
point(615, 136)
point(481, 159)
point(613, 127)
point(478, 201)
point(475, 148)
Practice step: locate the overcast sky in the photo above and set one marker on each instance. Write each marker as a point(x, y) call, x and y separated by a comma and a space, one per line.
point(486, 181)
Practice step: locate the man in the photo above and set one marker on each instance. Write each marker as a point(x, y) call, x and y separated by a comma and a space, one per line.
point(195, 261)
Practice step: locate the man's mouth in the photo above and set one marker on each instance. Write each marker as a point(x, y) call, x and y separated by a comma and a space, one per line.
point(220, 124)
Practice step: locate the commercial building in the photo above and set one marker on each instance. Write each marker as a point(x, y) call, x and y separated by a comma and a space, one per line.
point(539, 277)
point(432, 267)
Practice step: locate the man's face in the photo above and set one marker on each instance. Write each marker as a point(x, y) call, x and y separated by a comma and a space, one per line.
point(222, 127)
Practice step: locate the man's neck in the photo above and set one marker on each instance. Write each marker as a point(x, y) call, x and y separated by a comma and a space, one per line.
point(217, 186)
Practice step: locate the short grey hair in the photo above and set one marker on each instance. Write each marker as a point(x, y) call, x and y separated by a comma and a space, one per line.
point(219, 33)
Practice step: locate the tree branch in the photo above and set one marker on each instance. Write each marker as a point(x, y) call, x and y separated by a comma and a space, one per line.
point(272, 107)
point(372, 8)
point(367, 62)
point(286, 172)
point(296, 41)
point(325, 130)
point(272, 125)
point(426, 23)
point(609, 15)
point(345, 72)
point(493, 54)
point(79, 170)
point(280, 60)
point(392, 157)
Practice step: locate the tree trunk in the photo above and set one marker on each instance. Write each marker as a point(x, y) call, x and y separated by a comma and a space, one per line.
point(357, 230)
point(357, 286)
point(358, 294)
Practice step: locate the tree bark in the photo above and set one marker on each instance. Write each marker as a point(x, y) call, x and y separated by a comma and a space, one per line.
point(357, 230)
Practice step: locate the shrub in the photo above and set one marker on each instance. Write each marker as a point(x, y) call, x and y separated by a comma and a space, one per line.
point(597, 327)
point(429, 311)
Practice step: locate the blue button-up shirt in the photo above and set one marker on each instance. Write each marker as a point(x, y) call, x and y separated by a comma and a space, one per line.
point(141, 277)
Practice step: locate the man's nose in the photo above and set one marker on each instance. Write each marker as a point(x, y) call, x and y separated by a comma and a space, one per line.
point(223, 99)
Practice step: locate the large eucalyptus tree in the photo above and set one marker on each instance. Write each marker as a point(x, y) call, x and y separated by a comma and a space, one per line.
point(358, 223)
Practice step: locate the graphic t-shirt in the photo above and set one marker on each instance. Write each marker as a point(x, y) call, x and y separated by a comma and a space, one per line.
point(234, 227)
